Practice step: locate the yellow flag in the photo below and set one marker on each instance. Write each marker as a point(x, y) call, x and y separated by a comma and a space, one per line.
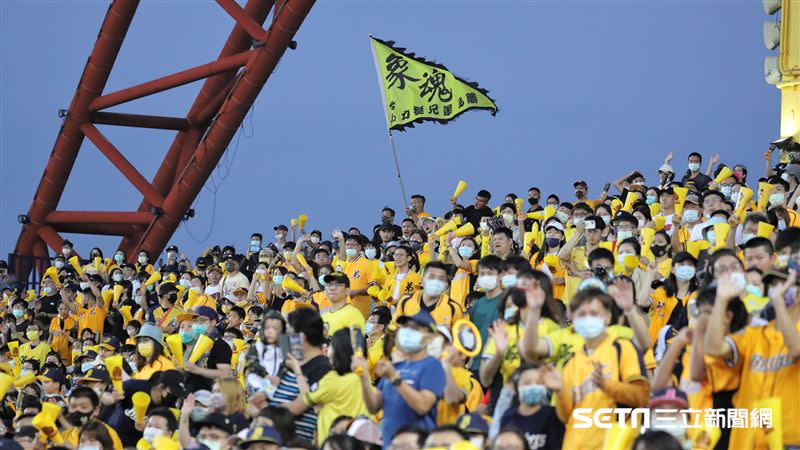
point(416, 90)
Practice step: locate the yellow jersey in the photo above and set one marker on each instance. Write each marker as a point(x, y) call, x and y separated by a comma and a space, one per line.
point(459, 287)
point(161, 364)
point(339, 395)
point(397, 286)
point(447, 414)
point(344, 317)
point(445, 312)
point(60, 344)
point(360, 274)
point(38, 353)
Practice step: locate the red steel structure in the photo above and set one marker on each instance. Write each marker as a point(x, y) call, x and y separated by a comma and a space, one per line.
point(232, 83)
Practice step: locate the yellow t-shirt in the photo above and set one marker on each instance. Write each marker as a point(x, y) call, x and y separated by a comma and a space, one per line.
point(447, 414)
point(161, 364)
point(38, 353)
point(91, 318)
point(459, 287)
point(345, 317)
point(73, 434)
point(408, 284)
point(323, 304)
point(511, 358)
point(446, 312)
point(767, 371)
point(374, 354)
point(60, 344)
point(661, 311)
point(360, 274)
point(621, 361)
point(339, 395)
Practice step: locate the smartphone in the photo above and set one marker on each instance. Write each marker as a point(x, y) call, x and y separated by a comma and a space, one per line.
point(606, 187)
point(291, 344)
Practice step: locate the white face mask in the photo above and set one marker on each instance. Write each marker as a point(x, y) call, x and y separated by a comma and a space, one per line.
point(487, 282)
point(151, 433)
point(66, 251)
point(433, 287)
point(315, 239)
point(370, 253)
point(142, 259)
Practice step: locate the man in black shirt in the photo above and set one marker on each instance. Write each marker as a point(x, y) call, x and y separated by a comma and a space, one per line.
point(50, 300)
point(694, 176)
point(473, 213)
point(218, 362)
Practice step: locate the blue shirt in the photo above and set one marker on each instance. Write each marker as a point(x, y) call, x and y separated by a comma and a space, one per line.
point(424, 375)
point(483, 313)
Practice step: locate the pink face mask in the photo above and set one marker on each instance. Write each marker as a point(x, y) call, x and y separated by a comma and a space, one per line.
point(739, 176)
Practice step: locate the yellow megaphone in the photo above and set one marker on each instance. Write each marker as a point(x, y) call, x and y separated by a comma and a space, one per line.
point(764, 191)
point(140, 403)
point(460, 187)
point(655, 209)
point(660, 222)
point(201, 347)
point(301, 259)
point(745, 195)
point(465, 230)
point(451, 225)
point(293, 222)
point(723, 175)
point(765, 229)
point(630, 199)
point(52, 410)
point(373, 291)
point(154, 278)
point(76, 264)
point(126, 314)
point(191, 299)
point(97, 261)
point(546, 213)
point(616, 205)
point(680, 197)
point(114, 368)
point(289, 284)
point(301, 220)
point(107, 296)
point(5, 382)
point(619, 437)
point(52, 273)
point(721, 231)
point(175, 346)
point(629, 263)
point(24, 381)
point(117, 292)
point(695, 247)
point(518, 203)
point(47, 426)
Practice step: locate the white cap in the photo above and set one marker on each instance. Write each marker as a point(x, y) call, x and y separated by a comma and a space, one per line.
point(666, 168)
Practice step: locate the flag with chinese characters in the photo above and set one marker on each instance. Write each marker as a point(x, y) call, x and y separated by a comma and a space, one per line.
point(416, 90)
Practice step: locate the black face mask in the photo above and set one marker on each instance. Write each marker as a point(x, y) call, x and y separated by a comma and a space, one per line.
point(533, 201)
point(78, 418)
point(385, 219)
point(658, 250)
point(169, 399)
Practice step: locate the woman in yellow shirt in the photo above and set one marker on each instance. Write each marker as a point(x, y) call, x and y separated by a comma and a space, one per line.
point(553, 241)
point(466, 260)
point(403, 280)
point(149, 357)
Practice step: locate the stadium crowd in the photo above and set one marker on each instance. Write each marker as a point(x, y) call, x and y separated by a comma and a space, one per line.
point(512, 324)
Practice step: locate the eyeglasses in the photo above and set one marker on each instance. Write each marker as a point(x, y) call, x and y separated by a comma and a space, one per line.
point(727, 269)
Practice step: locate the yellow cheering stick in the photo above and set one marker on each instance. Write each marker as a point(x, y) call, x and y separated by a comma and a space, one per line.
point(175, 346)
point(154, 278)
point(518, 203)
point(201, 347)
point(764, 191)
point(76, 264)
point(451, 225)
point(723, 175)
point(460, 187)
point(140, 403)
point(680, 198)
point(114, 368)
point(745, 195)
point(47, 426)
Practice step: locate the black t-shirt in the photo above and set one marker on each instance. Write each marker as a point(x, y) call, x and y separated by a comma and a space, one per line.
point(121, 418)
point(220, 354)
point(701, 181)
point(315, 369)
point(473, 215)
point(541, 429)
point(50, 304)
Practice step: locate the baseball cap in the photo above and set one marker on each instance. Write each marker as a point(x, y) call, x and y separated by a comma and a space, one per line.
point(203, 397)
point(580, 183)
point(94, 375)
point(205, 311)
point(151, 331)
point(215, 420)
point(280, 227)
point(666, 168)
point(693, 198)
point(365, 430)
point(110, 343)
point(422, 318)
point(473, 423)
point(172, 248)
point(337, 277)
point(172, 379)
point(54, 375)
point(668, 397)
point(261, 434)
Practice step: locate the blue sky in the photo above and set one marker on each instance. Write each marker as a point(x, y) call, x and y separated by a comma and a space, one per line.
point(588, 90)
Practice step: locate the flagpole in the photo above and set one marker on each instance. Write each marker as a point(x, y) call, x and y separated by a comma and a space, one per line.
point(391, 138)
point(397, 166)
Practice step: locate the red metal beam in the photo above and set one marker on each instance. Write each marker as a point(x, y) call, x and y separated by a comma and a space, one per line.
point(83, 217)
point(170, 81)
point(62, 158)
point(248, 24)
point(151, 195)
point(140, 121)
point(223, 101)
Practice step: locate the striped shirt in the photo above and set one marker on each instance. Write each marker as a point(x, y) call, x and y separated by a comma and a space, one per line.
point(287, 391)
